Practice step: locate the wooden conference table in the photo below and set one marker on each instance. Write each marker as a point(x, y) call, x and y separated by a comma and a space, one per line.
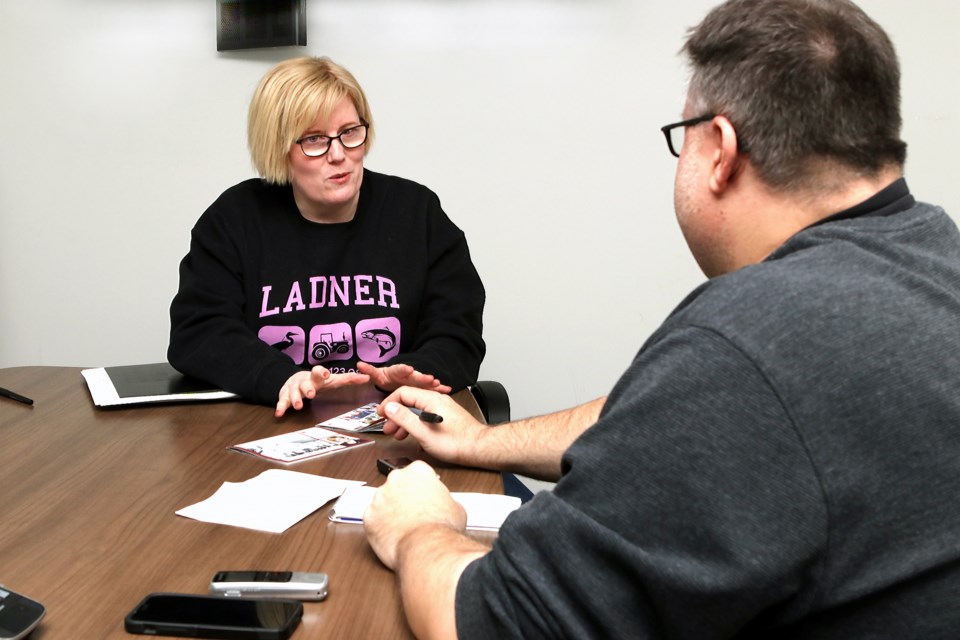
point(87, 502)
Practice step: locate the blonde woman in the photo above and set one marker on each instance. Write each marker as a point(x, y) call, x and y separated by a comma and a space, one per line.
point(322, 273)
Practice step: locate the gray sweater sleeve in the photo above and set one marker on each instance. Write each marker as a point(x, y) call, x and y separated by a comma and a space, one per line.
point(690, 507)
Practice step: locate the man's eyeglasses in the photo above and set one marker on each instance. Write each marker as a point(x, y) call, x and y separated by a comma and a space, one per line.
point(674, 132)
point(315, 145)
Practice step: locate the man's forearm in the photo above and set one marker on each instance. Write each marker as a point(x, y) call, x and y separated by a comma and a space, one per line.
point(534, 446)
point(430, 562)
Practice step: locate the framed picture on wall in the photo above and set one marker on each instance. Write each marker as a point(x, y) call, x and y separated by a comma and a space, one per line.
point(255, 24)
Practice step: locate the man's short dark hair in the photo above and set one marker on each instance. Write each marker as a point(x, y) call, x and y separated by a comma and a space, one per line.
point(802, 81)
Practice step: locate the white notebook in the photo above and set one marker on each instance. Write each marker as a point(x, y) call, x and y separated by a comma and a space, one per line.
point(485, 511)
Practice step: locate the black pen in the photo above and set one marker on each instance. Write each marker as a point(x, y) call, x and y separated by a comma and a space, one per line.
point(19, 398)
point(426, 416)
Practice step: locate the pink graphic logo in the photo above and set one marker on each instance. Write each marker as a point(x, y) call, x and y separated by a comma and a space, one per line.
point(330, 342)
point(378, 339)
point(289, 340)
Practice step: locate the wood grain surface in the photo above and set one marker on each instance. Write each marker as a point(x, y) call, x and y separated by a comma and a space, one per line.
point(88, 499)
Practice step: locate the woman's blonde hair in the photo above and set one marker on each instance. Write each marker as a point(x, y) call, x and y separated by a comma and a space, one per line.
point(287, 102)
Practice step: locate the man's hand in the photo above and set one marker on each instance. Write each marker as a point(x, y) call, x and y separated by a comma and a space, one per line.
point(304, 385)
point(532, 447)
point(416, 529)
point(401, 375)
point(411, 498)
point(452, 440)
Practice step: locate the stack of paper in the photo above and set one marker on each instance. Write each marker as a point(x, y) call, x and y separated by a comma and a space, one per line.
point(273, 501)
point(485, 511)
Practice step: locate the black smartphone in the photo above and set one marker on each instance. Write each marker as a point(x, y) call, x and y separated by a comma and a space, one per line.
point(193, 616)
point(18, 614)
point(386, 465)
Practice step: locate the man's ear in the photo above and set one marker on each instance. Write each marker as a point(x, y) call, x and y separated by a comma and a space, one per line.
point(726, 157)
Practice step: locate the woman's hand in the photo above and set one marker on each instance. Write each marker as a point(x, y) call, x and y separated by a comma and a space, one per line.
point(401, 375)
point(304, 385)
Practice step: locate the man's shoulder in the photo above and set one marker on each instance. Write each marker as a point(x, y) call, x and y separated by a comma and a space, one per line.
point(834, 279)
point(757, 290)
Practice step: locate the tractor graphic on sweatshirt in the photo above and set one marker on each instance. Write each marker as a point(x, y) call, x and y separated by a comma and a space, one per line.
point(327, 345)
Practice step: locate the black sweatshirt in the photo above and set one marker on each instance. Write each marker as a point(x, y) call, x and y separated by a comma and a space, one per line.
point(265, 293)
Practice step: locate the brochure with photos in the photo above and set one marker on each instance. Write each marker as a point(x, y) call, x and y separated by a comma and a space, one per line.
point(357, 420)
point(301, 445)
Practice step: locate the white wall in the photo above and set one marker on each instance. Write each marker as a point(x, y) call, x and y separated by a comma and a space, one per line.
point(536, 121)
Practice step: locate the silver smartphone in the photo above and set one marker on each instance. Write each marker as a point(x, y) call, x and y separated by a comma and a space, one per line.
point(270, 584)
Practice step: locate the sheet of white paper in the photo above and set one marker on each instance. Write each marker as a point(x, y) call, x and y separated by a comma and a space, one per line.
point(273, 501)
point(485, 511)
point(105, 394)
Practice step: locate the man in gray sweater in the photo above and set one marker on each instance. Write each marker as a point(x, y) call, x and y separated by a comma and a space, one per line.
point(782, 457)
